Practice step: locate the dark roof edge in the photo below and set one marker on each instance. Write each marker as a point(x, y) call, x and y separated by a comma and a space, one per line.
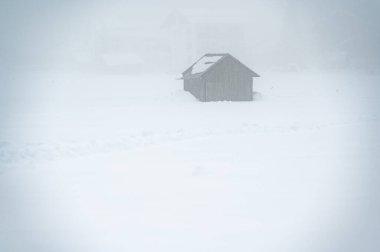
point(190, 67)
point(208, 55)
point(224, 55)
point(254, 74)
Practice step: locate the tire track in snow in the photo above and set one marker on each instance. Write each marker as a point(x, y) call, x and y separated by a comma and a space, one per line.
point(13, 153)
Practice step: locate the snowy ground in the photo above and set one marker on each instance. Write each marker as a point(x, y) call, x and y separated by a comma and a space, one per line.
point(133, 163)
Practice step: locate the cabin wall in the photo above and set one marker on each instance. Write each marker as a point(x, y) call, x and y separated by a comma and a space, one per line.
point(228, 82)
point(196, 87)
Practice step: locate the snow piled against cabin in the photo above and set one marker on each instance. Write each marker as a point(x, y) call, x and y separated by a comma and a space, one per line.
point(133, 163)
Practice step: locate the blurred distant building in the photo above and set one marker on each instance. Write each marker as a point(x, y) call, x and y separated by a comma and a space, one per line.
point(193, 32)
point(162, 41)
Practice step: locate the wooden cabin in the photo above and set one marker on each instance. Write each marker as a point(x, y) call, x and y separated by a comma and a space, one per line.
point(219, 77)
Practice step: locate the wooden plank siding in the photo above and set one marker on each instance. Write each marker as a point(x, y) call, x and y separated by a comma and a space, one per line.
point(196, 87)
point(228, 82)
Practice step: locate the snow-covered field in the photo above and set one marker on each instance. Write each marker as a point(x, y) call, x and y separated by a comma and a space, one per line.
point(133, 163)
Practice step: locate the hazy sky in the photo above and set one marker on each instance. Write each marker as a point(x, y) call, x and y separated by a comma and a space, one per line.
point(283, 31)
point(282, 34)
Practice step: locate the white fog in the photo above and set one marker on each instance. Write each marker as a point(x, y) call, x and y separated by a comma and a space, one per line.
point(135, 126)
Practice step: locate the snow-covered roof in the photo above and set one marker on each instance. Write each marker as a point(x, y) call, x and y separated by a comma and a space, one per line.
point(210, 59)
point(205, 63)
